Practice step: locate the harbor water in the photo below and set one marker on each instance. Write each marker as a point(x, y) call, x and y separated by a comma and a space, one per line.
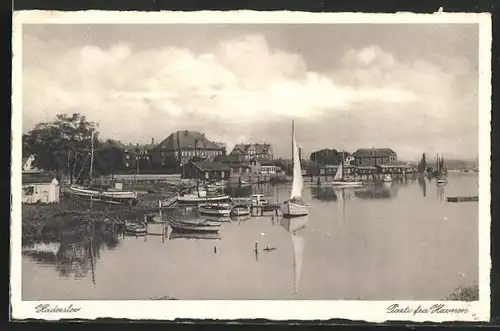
point(393, 241)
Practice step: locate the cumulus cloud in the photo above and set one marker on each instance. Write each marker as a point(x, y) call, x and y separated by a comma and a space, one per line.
point(244, 90)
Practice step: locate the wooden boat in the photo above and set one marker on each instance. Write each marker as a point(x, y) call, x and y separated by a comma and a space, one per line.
point(240, 210)
point(134, 227)
point(215, 209)
point(194, 226)
point(295, 206)
point(341, 181)
point(202, 198)
point(442, 180)
point(111, 197)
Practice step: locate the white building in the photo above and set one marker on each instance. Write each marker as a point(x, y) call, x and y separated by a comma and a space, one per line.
point(40, 188)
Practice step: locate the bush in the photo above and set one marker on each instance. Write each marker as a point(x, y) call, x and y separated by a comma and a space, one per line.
point(470, 293)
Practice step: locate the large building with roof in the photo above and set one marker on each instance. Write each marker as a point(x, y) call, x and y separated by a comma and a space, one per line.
point(374, 156)
point(247, 152)
point(183, 146)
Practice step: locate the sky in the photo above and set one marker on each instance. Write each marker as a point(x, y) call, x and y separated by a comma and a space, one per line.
point(409, 87)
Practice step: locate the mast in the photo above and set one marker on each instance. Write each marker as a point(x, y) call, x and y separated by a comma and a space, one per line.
point(91, 154)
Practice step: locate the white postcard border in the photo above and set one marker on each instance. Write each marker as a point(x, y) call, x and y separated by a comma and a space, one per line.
point(372, 311)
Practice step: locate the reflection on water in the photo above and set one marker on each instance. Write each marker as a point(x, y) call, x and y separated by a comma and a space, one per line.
point(378, 230)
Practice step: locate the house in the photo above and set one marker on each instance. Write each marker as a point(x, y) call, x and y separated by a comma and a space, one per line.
point(234, 162)
point(253, 151)
point(138, 155)
point(182, 146)
point(263, 166)
point(374, 156)
point(205, 171)
point(40, 188)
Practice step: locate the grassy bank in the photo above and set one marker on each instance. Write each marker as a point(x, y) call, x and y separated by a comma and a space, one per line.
point(470, 293)
point(71, 216)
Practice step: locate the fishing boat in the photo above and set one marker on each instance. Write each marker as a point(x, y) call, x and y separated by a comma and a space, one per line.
point(441, 171)
point(295, 206)
point(240, 210)
point(215, 209)
point(194, 226)
point(341, 181)
point(134, 227)
point(108, 196)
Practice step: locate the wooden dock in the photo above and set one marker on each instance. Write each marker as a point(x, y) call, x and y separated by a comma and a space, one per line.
point(463, 199)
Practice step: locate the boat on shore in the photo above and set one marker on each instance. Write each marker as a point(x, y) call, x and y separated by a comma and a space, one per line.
point(295, 206)
point(240, 210)
point(111, 197)
point(201, 197)
point(215, 209)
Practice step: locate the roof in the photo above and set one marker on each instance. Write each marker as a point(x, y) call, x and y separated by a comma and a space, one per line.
point(37, 177)
point(187, 141)
point(371, 152)
point(227, 158)
point(266, 162)
point(214, 166)
point(259, 148)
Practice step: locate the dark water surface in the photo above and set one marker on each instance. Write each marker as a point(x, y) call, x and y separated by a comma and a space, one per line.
point(398, 241)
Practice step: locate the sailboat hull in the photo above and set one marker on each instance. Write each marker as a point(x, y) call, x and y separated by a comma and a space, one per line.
point(292, 209)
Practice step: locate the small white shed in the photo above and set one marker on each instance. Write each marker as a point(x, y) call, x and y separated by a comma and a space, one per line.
point(40, 188)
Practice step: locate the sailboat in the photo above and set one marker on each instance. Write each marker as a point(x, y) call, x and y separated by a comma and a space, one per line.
point(340, 180)
point(109, 196)
point(295, 206)
point(441, 171)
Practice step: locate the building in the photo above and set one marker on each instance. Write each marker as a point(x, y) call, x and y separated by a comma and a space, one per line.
point(138, 156)
point(263, 166)
point(234, 162)
point(253, 151)
point(40, 187)
point(182, 146)
point(374, 156)
point(205, 171)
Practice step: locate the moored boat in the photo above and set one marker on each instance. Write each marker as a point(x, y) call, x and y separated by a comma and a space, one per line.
point(341, 181)
point(194, 235)
point(194, 226)
point(295, 206)
point(240, 210)
point(134, 227)
point(215, 209)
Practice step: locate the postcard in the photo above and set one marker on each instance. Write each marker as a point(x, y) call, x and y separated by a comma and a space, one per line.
point(242, 164)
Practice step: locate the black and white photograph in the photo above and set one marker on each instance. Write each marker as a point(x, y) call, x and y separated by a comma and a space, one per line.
point(251, 165)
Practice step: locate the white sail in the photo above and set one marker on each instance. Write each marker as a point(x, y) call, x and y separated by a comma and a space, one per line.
point(339, 173)
point(298, 182)
point(298, 251)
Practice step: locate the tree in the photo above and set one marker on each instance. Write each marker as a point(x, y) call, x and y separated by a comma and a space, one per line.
point(109, 157)
point(62, 145)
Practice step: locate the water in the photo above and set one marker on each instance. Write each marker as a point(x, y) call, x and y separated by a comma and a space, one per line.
point(400, 241)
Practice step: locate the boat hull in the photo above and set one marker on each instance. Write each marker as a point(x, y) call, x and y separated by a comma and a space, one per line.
point(190, 199)
point(194, 227)
point(240, 212)
point(214, 211)
point(346, 184)
point(292, 209)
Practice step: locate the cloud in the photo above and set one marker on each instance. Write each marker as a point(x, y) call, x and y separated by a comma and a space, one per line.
point(244, 90)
